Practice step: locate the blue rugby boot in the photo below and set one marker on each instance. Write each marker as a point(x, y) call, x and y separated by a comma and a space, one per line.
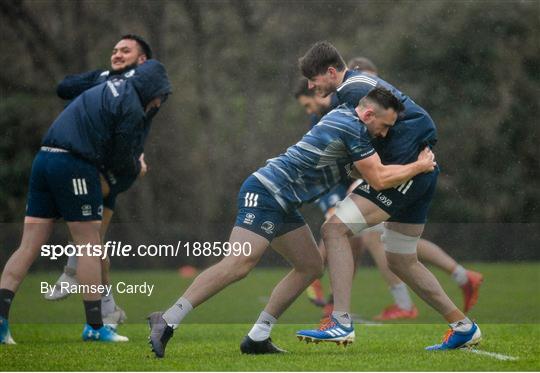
point(5, 335)
point(331, 331)
point(103, 334)
point(454, 339)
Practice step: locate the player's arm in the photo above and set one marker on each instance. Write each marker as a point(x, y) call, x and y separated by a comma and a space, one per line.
point(382, 177)
point(73, 85)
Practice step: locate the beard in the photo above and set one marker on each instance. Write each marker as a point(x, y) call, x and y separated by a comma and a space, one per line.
point(124, 69)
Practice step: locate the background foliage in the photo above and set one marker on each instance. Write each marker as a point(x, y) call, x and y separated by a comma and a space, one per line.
point(475, 66)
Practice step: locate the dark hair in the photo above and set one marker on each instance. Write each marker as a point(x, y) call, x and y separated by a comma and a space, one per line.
point(145, 47)
point(302, 89)
point(319, 58)
point(384, 98)
point(362, 64)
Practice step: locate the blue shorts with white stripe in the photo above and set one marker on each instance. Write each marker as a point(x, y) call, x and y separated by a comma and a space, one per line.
point(62, 185)
point(259, 212)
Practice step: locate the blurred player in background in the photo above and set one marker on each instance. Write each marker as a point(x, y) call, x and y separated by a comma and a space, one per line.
point(403, 307)
point(129, 52)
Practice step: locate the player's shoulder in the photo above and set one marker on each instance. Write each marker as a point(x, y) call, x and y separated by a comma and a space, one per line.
point(342, 120)
point(354, 80)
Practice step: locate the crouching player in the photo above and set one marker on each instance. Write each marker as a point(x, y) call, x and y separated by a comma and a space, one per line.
point(102, 127)
point(129, 52)
point(268, 204)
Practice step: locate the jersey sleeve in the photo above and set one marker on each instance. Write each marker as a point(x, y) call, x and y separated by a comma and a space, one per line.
point(354, 88)
point(124, 158)
point(358, 145)
point(73, 85)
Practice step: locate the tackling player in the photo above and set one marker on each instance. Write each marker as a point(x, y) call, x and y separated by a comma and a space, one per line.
point(103, 127)
point(403, 307)
point(130, 51)
point(268, 204)
point(403, 206)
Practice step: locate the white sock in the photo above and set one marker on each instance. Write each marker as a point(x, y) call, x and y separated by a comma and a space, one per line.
point(462, 325)
point(174, 315)
point(262, 327)
point(344, 318)
point(459, 275)
point(401, 296)
point(72, 262)
point(107, 304)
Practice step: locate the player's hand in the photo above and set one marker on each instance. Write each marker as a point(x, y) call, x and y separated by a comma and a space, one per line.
point(426, 159)
point(144, 166)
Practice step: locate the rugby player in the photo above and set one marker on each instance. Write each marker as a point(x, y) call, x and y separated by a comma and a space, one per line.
point(403, 306)
point(129, 52)
point(268, 204)
point(404, 207)
point(103, 127)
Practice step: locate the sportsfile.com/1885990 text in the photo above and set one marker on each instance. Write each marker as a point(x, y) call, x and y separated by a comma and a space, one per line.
point(119, 249)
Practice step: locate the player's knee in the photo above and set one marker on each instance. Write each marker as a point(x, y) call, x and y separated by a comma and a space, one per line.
point(333, 228)
point(240, 267)
point(400, 263)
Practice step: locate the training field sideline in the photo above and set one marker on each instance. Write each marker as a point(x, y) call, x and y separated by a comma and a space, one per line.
point(508, 313)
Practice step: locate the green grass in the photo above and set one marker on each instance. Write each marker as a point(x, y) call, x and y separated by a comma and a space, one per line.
point(48, 333)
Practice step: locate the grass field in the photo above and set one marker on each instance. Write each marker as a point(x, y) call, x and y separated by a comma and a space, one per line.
point(48, 333)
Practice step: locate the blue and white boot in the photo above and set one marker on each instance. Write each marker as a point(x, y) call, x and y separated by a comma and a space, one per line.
point(331, 331)
point(5, 335)
point(454, 339)
point(103, 334)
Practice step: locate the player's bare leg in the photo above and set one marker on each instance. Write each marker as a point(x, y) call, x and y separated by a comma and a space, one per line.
point(211, 281)
point(339, 254)
point(89, 267)
point(469, 281)
point(87, 233)
point(300, 250)
point(417, 276)
point(230, 269)
point(403, 307)
point(36, 232)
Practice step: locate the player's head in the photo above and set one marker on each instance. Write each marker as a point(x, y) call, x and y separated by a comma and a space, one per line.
point(324, 68)
point(130, 51)
point(309, 100)
point(379, 110)
point(363, 65)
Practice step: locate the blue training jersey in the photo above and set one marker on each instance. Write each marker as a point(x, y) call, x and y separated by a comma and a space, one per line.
point(413, 131)
point(318, 161)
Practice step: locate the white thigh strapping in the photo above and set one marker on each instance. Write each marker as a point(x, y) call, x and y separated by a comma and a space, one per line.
point(350, 215)
point(398, 243)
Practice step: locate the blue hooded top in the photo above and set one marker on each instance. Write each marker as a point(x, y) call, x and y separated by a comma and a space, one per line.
point(106, 124)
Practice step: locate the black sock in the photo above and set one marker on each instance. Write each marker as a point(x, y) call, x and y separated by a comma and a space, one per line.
point(6, 297)
point(92, 308)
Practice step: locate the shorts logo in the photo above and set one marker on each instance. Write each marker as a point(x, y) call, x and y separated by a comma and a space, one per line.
point(250, 200)
point(403, 188)
point(86, 210)
point(100, 210)
point(249, 218)
point(79, 187)
point(364, 187)
point(384, 199)
point(268, 227)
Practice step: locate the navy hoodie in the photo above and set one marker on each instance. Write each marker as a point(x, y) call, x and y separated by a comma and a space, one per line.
point(106, 124)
